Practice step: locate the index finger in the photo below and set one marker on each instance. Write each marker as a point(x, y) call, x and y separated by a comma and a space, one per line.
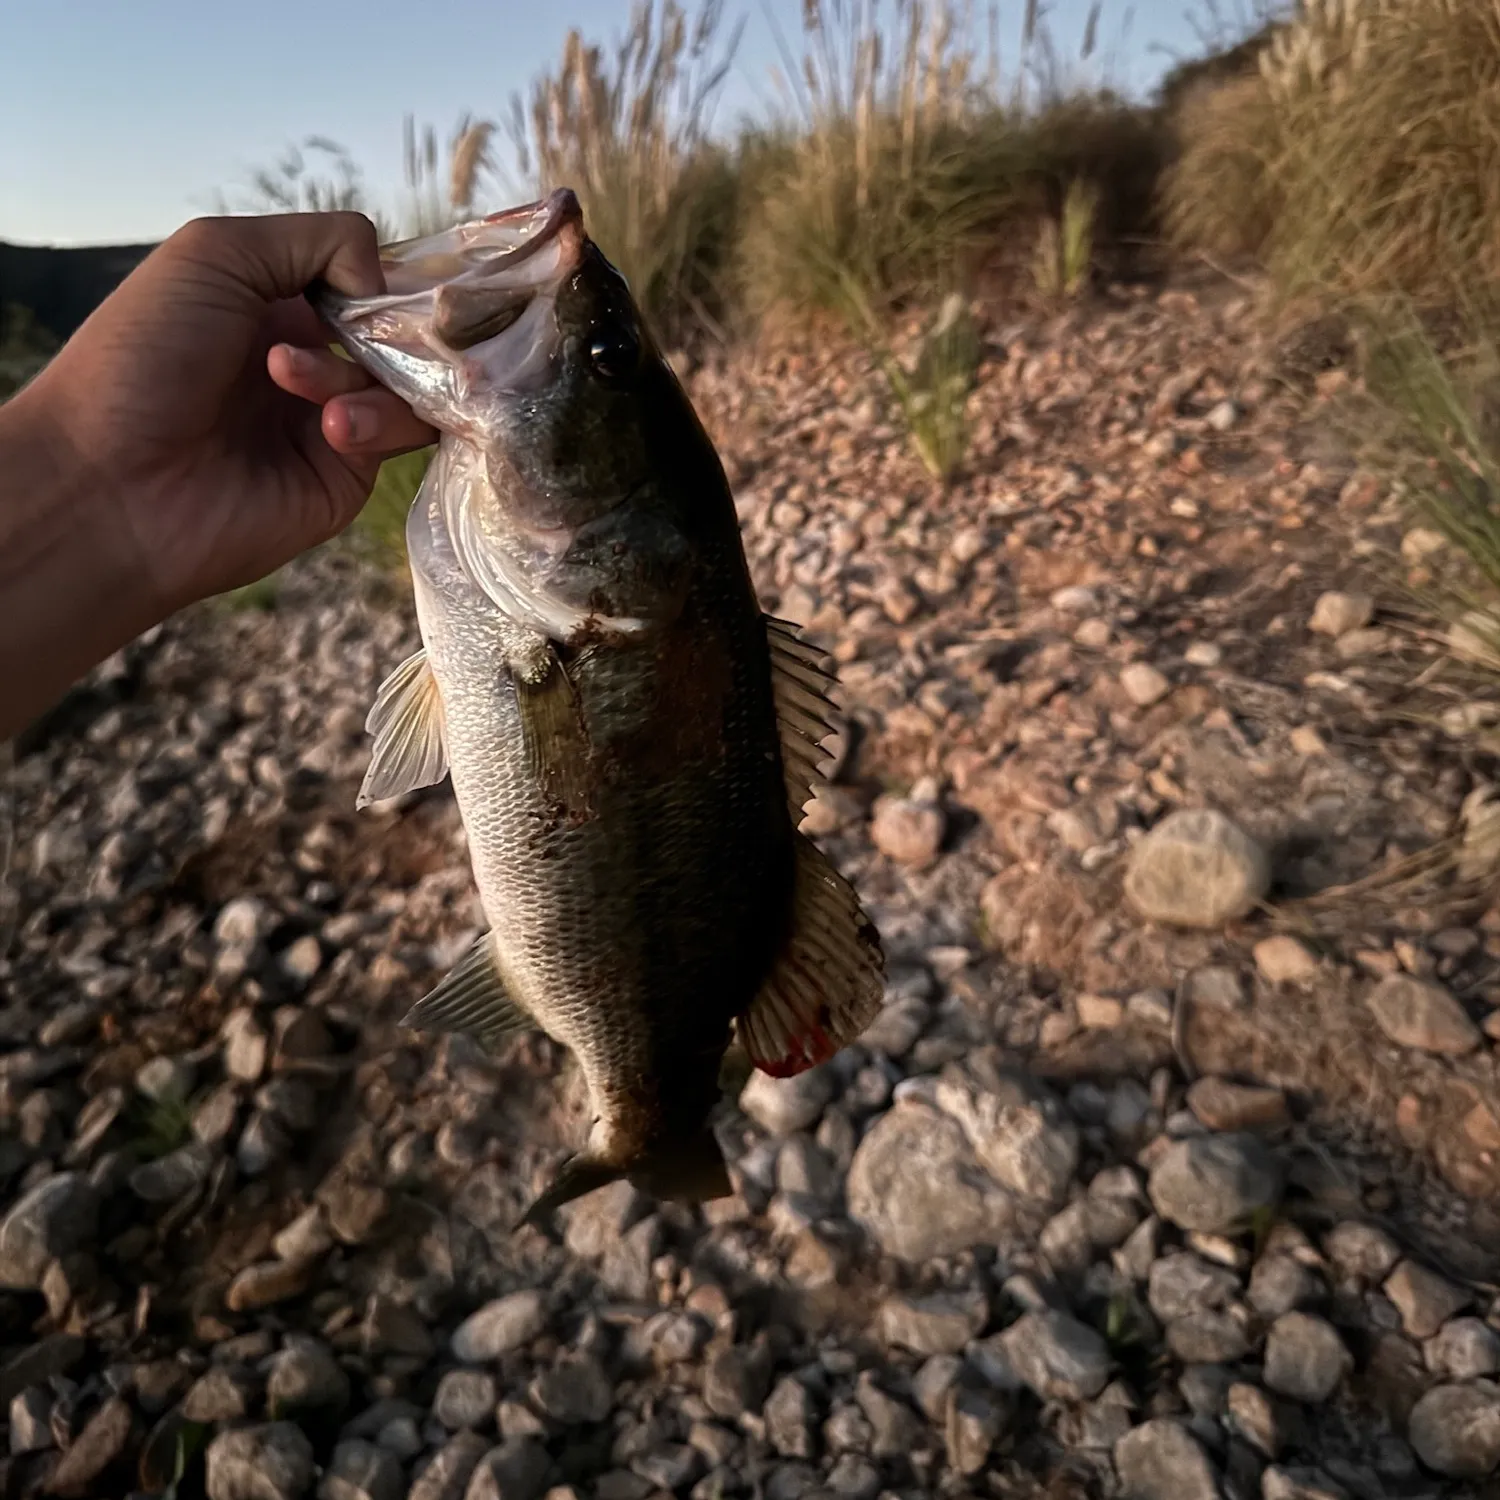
point(278, 256)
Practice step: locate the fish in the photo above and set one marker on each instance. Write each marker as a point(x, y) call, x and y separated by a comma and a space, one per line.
point(630, 739)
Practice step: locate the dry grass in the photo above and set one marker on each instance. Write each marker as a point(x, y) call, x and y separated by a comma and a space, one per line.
point(1065, 245)
point(1361, 155)
point(628, 131)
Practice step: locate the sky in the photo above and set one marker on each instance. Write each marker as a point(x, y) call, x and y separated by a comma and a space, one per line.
point(121, 119)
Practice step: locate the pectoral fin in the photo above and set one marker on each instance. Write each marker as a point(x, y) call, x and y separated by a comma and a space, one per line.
point(826, 986)
point(805, 714)
point(407, 722)
point(557, 743)
point(471, 998)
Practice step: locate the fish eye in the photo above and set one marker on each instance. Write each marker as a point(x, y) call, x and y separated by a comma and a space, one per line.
point(614, 352)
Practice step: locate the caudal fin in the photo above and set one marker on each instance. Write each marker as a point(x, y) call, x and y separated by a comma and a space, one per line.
point(690, 1170)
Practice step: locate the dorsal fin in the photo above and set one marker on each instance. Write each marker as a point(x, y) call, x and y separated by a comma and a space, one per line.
point(407, 722)
point(805, 714)
point(828, 983)
point(471, 998)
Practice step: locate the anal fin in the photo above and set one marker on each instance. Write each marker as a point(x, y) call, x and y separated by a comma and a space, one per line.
point(407, 722)
point(471, 998)
point(827, 984)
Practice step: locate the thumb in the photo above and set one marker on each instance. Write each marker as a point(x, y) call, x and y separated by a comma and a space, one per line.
point(276, 256)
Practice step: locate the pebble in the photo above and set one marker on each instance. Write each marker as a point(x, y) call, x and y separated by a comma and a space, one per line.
point(1162, 1460)
point(1196, 869)
point(514, 1470)
point(1463, 1349)
point(224, 1393)
point(908, 831)
point(1144, 685)
point(1283, 959)
point(1279, 1284)
point(306, 1238)
point(246, 1045)
point(270, 1462)
point(1223, 1105)
point(1424, 1299)
point(1305, 1357)
point(465, 1398)
point(1361, 1250)
point(447, 1476)
point(1215, 1183)
point(1337, 614)
point(95, 1450)
point(499, 1327)
point(267, 1283)
point(736, 1381)
point(30, 1421)
point(575, 1390)
point(305, 1378)
point(784, 1106)
point(165, 1079)
point(975, 1420)
point(1456, 1429)
point(1207, 1338)
point(360, 1470)
point(1253, 1415)
point(941, 1323)
point(56, 1218)
point(1418, 1013)
point(1057, 1356)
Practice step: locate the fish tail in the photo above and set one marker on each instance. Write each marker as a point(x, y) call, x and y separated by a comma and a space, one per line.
point(686, 1169)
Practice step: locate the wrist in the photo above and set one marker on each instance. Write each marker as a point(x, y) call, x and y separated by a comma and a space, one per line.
point(69, 594)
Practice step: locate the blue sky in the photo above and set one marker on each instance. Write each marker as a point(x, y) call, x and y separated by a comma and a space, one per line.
point(122, 118)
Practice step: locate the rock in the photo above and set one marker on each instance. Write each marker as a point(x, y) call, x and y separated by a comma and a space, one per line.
point(223, 1393)
point(854, 1478)
point(941, 1323)
point(1298, 1482)
point(58, 1217)
point(515, 1470)
point(1456, 1429)
point(1162, 1460)
point(1181, 1284)
point(1361, 1250)
point(1205, 1388)
point(165, 1080)
point(907, 831)
point(306, 1238)
point(101, 1444)
point(1305, 1358)
point(305, 1378)
point(1203, 1338)
point(975, 1419)
point(912, 1186)
point(1425, 1300)
point(786, 1105)
point(447, 1476)
point(245, 1046)
point(270, 1462)
point(1280, 1283)
point(362, 1471)
point(1215, 1183)
point(1075, 599)
point(506, 1324)
point(1196, 869)
point(1337, 614)
point(1283, 959)
point(736, 1381)
point(1028, 1150)
point(1222, 1105)
point(790, 1417)
point(1417, 1013)
point(30, 1416)
point(1253, 1415)
point(174, 1175)
point(465, 1398)
point(1224, 415)
point(354, 1209)
point(1057, 1356)
point(575, 1390)
point(267, 1283)
point(894, 1427)
point(1143, 684)
point(1464, 1349)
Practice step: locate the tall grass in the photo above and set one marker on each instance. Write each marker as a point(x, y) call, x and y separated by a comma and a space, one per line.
point(629, 131)
point(1361, 155)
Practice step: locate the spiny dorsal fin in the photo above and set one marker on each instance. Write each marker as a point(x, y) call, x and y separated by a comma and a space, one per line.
point(407, 722)
point(805, 714)
point(828, 983)
point(471, 998)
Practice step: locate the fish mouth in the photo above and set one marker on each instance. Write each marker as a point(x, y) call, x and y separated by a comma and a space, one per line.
point(466, 311)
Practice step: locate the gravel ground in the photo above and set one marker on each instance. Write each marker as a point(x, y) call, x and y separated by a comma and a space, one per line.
point(1169, 1171)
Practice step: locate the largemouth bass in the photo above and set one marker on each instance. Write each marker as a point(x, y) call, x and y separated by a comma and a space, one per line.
point(631, 741)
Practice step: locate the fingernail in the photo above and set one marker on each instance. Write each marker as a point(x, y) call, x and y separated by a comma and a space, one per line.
point(295, 357)
point(364, 421)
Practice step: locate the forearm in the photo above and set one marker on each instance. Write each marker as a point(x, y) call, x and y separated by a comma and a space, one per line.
point(68, 596)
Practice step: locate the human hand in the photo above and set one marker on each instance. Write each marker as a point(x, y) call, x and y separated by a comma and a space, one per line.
point(219, 433)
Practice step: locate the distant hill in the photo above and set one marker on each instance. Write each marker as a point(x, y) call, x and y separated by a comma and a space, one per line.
point(61, 287)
